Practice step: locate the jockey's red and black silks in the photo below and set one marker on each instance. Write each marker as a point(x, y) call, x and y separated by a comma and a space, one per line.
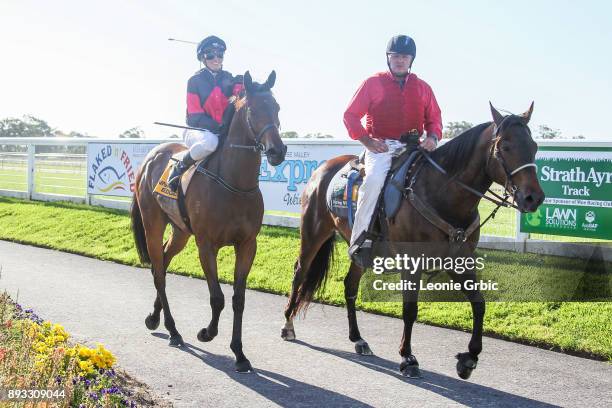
point(392, 110)
point(207, 98)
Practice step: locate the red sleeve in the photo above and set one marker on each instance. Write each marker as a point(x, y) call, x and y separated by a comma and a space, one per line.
point(433, 116)
point(356, 110)
point(193, 103)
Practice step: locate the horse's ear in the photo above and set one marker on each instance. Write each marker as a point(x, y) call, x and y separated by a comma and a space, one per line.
point(270, 81)
point(527, 115)
point(497, 117)
point(247, 81)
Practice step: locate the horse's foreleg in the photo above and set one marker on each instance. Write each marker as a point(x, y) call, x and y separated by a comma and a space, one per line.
point(409, 366)
point(173, 246)
point(351, 287)
point(245, 253)
point(467, 361)
point(208, 260)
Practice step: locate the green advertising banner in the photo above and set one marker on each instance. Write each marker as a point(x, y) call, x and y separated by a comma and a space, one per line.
point(577, 182)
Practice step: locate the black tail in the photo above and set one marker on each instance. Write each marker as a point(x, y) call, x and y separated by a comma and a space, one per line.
point(316, 275)
point(140, 238)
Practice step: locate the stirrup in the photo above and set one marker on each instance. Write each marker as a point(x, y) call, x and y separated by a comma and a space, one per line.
point(361, 252)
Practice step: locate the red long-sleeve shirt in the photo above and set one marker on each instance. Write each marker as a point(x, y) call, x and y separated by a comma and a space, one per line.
point(392, 110)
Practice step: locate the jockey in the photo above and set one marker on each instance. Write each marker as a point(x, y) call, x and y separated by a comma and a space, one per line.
point(208, 91)
point(395, 103)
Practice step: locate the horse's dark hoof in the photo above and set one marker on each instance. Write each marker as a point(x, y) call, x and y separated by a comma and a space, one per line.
point(288, 334)
point(244, 366)
point(176, 341)
point(409, 367)
point(363, 348)
point(465, 365)
point(204, 335)
point(152, 322)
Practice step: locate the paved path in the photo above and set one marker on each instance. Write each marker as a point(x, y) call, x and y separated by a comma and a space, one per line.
point(106, 302)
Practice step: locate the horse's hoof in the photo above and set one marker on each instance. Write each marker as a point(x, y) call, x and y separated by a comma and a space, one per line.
point(363, 348)
point(152, 322)
point(288, 334)
point(176, 341)
point(465, 365)
point(409, 367)
point(244, 366)
point(204, 335)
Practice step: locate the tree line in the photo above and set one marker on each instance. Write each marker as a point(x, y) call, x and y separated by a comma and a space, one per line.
point(30, 126)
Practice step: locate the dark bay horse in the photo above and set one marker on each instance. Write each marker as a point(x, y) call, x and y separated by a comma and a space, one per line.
point(501, 152)
point(221, 213)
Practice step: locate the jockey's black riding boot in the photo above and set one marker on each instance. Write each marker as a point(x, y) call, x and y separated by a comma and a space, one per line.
point(361, 251)
point(178, 170)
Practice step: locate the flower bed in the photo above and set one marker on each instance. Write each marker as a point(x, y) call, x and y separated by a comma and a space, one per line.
point(37, 355)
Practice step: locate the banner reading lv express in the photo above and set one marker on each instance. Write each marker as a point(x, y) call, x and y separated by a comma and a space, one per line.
point(577, 182)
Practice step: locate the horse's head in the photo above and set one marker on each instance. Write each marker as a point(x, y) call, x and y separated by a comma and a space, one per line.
point(512, 159)
point(262, 118)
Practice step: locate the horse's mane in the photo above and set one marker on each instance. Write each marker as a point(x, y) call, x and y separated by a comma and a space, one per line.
point(454, 156)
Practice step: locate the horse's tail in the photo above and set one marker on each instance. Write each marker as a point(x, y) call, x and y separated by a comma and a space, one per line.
point(140, 238)
point(316, 275)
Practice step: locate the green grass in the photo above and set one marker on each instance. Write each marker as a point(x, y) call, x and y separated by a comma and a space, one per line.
point(583, 328)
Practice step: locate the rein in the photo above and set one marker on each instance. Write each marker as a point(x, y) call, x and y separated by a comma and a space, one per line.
point(460, 234)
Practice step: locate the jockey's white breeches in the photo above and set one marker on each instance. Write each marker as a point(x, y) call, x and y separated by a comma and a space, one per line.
point(201, 143)
point(377, 166)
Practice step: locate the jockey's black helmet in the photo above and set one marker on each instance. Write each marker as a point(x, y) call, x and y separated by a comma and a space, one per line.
point(402, 44)
point(210, 43)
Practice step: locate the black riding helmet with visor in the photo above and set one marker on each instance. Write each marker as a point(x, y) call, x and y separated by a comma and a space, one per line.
point(210, 47)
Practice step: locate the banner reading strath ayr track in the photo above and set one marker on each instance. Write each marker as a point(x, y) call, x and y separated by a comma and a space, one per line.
point(282, 185)
point(577, 182)
point(111, 167)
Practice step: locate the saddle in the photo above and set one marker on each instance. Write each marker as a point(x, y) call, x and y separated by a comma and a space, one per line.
point(343, 190)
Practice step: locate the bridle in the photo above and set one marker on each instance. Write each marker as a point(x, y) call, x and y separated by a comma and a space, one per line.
point(495, 152)
point(258, 146)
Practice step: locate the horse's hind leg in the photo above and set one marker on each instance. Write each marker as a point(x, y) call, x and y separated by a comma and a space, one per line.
point(175, 244)
point(467, 361)
point(311, 242)
point(154, 225)
point(208, 260)
point(245, 253)
point(351, 287)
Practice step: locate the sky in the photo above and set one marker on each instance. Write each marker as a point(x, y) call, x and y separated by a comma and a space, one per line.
point(103, 67)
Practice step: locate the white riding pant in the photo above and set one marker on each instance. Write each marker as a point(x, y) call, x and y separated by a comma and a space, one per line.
point(201, 143)
point(377, 166)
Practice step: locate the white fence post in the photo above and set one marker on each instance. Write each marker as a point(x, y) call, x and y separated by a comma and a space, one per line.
point(31, 161)
point(521, 237)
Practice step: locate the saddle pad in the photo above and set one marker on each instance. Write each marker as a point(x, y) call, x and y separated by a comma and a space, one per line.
point(339, 198)
point(167, 198)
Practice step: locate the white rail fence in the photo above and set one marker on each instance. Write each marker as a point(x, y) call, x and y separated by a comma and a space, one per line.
point(27, 173)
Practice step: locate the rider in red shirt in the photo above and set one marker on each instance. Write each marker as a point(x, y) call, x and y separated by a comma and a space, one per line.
point(394, 103)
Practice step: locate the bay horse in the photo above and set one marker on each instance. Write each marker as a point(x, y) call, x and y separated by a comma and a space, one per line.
point(501, 151)
point(225, 207)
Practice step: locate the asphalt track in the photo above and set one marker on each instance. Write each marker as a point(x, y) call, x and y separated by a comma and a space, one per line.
point(106, 302)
